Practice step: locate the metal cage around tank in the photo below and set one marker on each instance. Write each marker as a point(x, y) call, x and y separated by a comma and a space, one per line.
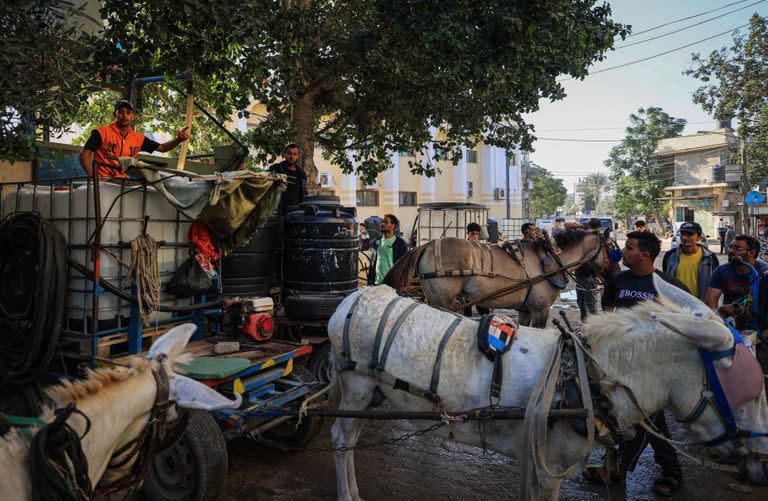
point(98, 221)
point(448, 219)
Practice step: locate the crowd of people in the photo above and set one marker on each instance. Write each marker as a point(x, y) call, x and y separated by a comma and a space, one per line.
point(736, 289)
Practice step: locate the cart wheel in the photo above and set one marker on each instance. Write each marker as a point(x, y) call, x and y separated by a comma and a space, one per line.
point(321, 363)
point(287, 433)
point(195, 468)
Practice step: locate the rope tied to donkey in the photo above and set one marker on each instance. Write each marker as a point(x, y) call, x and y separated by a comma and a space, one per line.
point(57, 464)
point(145, 274)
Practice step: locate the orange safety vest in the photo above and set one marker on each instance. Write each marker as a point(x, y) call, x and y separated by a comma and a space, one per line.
point(113, 145)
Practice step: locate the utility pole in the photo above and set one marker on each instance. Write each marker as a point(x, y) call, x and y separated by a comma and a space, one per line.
point(526, 193)
point(744, 186)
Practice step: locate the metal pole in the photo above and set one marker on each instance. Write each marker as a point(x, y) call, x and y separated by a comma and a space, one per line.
point(506, 159)
point(96, 258)
point(470, 415)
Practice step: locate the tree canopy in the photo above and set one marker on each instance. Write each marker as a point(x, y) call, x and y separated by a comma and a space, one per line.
point(47, 62)
point(548, 192)
point(369, 76)
point(736, 86)
point(639, 176)
point(594, 186)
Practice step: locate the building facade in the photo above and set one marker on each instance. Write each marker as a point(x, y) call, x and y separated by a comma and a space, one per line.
point(485, 175)
point(702, 180)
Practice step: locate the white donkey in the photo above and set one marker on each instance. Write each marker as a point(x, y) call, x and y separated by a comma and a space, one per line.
point(651, 350)
point(118, 403)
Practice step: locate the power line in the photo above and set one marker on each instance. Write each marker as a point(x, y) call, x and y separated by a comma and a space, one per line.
point(660, 53)
point(580, 140)
point(612, 128)
point(687, 27)
point(685, 18)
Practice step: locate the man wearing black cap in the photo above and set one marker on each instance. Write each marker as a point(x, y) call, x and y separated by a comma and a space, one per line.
point(557, 227)
point(473, 231)
point(691, 263)
point(110, 142)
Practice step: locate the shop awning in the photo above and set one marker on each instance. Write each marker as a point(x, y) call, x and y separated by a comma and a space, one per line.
point(689, 197)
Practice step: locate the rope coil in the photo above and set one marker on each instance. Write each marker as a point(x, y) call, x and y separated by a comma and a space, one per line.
point(145, 274)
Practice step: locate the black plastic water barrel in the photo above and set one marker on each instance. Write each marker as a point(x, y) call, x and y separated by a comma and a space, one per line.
point(320, 247)
point(252, 270)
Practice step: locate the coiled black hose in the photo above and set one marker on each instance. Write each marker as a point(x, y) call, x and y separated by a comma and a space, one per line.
point(33, 293)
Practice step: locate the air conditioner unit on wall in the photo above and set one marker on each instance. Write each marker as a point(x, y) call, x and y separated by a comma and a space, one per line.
point(500, 194)
point(325, 179)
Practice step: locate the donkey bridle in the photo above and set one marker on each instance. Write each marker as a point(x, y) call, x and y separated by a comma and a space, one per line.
point(713, 396)
point(149, 441)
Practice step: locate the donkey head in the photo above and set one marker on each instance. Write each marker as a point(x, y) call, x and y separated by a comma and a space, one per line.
point(186, 392)
point(705, 329)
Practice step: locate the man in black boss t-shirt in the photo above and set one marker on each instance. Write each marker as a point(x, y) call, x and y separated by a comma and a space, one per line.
point(625, 290)
point(629, 287)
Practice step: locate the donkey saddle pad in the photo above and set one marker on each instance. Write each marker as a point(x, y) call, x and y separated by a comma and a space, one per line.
point(495, 334)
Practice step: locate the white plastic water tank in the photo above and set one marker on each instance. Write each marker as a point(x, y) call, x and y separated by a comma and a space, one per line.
point(72, 212)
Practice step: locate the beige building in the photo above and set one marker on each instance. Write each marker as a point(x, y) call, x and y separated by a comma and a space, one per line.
point(480, 177)
point(701, 178)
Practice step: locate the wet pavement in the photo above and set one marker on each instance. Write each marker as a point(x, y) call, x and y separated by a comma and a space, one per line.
point(429, 468)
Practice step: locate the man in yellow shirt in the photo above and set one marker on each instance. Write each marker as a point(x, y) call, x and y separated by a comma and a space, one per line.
point(691, 263)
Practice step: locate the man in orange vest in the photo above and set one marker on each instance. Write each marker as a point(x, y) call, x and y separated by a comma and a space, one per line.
point(109, 142)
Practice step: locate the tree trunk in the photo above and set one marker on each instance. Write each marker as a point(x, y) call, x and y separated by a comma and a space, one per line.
point(303, 124)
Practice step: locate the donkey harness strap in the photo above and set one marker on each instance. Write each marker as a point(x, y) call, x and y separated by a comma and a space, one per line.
point(380, 334)
point(441, 347)
point(346, 360)
point(393, 333)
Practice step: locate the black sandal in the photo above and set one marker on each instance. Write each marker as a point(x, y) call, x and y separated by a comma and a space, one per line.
point(668, 485)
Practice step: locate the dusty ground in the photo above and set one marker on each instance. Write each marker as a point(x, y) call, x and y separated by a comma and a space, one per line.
point(427, 468)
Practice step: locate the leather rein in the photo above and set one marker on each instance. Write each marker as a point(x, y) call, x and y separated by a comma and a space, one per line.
point(151, 439)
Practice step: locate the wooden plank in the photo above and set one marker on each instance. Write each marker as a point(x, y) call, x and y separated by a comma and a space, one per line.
point(188, 126)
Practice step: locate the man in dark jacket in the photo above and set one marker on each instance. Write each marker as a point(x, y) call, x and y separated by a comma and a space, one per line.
point(297, 179)
point(387, 249)
point(691, 263)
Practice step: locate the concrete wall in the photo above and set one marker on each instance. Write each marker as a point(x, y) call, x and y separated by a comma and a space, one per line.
point(19, 171)
point(695, 168)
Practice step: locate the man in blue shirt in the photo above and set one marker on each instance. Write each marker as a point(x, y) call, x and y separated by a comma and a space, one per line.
point(735, 282)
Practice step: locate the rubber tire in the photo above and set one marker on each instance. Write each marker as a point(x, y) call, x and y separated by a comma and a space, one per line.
point(287, 433)
point(205, 453)
point(320, 363)
point(310, 307)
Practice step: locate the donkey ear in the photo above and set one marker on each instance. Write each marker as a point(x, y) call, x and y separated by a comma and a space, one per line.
point(190, 394)
point(173, 342)
point(704, 332)
point(680, 297)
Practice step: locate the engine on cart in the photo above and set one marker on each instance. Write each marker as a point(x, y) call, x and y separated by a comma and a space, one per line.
point(249, 319)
